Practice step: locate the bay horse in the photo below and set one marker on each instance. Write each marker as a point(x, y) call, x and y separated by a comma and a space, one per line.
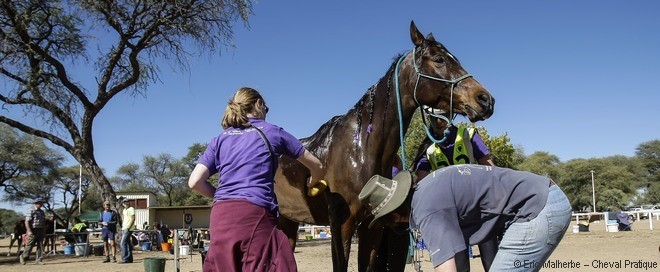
point(20, 230)
point(364, 141)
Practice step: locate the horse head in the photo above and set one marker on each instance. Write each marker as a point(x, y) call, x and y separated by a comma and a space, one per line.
point(438, 80)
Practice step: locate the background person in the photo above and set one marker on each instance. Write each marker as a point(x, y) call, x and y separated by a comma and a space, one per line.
point(34, 225)
point(80, 228)
point(128, 224)
point(245, 210)
point(108, 221)
point(483, 201)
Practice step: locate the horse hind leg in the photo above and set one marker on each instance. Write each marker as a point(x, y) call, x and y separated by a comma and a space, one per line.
point(290, 228)
point(11, 244)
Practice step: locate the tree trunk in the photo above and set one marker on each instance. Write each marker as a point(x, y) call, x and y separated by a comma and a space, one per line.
point(97, 177)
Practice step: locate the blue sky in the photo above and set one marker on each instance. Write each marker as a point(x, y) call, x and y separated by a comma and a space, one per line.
point(578, 79)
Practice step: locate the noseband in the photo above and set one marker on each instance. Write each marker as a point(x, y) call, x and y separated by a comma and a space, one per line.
point(419, 74)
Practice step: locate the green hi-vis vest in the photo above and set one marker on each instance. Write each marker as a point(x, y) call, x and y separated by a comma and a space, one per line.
point(462, 151)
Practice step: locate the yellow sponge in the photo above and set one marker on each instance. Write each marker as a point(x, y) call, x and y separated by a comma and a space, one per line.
point(319, 187)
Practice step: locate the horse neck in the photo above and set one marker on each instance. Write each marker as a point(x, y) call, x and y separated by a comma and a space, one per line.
point(381, 111)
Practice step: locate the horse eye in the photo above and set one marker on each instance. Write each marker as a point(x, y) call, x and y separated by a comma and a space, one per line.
point(438, 59)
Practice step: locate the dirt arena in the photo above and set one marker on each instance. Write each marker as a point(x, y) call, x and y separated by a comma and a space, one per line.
point(597, 250)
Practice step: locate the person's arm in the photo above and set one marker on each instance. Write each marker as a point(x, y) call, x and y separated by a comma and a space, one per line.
point(447, 266)
point(28, 228)
point(131, 219)
point(486, 160)
point(480, 149)
point(423, 168)
point(314, 165)
point(197, 181)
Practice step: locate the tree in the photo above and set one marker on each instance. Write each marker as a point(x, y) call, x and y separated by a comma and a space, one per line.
point(194, 152)
point(502, 151)
point(8, 218)
point(576, 182)
point(614, 179)
point(542, 163)
point(23, 155)
point(67, 184)
point(649, 155)
point(169, 174)
point(415, 140)
point(129, 177)
point(42, 40)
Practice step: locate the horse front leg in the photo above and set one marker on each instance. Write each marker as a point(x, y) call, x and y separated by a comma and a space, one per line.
point(341, 244)
point(393, 251)
point(368, 243)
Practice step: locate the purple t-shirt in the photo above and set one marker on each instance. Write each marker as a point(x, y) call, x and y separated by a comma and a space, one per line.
point(244, 164)
point(479, 149)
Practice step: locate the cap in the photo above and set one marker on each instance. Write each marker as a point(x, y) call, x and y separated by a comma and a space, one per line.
point(38, 200)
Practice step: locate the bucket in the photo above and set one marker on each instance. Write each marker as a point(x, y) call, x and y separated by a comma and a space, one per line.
point(166, 246)
point(80, 249)
point(68, 249)
point(184, 250)
point(98, 250)
point(576, 229)
point(146, 246)
point(154, 264)
point(612, 227)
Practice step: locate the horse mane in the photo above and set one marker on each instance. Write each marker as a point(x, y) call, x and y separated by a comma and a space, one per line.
point(320, 140)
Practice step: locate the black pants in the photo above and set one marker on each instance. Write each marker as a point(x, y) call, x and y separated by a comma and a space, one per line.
point(487, 252)
point(36, 239)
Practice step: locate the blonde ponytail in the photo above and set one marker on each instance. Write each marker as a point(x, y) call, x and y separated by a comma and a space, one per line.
point(239, 106)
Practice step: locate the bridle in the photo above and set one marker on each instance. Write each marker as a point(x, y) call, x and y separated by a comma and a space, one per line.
point(452, 83)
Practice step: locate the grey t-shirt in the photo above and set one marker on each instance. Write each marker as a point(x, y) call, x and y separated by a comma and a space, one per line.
point(462, 204)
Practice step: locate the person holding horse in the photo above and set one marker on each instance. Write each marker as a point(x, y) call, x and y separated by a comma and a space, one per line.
point(35, 231)
point(108, 220)
point(244, 233)
point(462, 145)
point(466, 204)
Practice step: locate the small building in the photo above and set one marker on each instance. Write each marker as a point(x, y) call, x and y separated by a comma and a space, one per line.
point(175, 216)
point(141, 201)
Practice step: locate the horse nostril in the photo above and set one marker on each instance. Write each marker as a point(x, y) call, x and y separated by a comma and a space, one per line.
point(486, 100)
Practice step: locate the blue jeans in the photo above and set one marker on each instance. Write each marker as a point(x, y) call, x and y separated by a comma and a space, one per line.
point(526, 246)
point(126, 246)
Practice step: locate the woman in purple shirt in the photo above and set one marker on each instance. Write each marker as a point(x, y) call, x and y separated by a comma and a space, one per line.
point(244, 233)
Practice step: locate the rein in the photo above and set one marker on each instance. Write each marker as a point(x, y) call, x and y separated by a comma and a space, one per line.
point(452, 83)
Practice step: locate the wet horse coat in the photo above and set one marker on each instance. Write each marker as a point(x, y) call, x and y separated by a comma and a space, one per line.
point(364, 141)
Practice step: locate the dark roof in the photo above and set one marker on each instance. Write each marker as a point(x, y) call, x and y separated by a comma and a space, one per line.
point(90, 216)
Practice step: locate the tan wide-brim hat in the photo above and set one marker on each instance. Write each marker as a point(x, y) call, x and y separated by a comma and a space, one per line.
point(384, 195)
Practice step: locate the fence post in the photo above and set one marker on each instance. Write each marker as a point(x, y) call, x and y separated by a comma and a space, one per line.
point(176, 250)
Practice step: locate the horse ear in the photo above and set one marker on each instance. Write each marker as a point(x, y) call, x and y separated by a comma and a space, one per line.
point(416, 37)
point(430, 37)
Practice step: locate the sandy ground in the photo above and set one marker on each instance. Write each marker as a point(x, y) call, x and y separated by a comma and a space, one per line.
point(597, 250)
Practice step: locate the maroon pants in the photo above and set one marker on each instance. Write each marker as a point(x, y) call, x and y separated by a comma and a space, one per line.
point(245, 237)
